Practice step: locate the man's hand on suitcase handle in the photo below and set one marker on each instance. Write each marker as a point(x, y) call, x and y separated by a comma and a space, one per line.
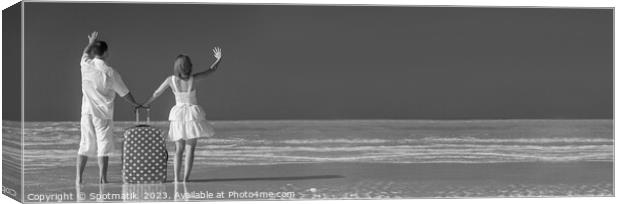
point(136, 111)
point(141, 106)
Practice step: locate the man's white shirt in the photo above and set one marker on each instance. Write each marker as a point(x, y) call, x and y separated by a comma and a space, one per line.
point(100, 84)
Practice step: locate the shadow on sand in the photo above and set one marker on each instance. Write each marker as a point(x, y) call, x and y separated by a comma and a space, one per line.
point(268, 178)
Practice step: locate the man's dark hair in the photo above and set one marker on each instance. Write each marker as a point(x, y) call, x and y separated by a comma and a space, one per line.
point(98, 48)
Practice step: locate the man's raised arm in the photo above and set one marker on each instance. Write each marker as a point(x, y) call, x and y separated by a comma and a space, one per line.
point(91, 39)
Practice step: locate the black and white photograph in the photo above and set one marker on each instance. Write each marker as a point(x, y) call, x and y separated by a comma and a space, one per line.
point(133, 102)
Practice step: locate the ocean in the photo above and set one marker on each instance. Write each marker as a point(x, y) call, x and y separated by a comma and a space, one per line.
point(53, 145)
point(49, 144)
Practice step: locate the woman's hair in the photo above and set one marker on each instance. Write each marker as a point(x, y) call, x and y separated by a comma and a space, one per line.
point(183, 67)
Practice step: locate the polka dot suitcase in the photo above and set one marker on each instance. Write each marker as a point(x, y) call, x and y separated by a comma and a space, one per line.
point(145, 158)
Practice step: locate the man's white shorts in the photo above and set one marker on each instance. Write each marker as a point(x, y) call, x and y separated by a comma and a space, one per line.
point(97, 136)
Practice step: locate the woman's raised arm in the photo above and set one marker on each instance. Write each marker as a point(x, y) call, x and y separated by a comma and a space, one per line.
point(217, 53)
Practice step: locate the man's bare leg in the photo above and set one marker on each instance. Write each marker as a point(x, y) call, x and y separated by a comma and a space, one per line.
point(81, 164)
point(103, 169)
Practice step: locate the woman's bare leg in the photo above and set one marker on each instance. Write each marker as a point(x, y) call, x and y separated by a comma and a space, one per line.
point(178, 157)
point(189, 158)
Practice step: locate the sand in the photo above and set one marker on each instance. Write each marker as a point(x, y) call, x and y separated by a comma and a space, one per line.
point(348, 181)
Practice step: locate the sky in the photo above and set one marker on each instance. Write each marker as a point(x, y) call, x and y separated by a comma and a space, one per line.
point(332, 62)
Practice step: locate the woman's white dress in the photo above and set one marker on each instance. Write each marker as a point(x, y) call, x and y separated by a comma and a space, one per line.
point(187, 118)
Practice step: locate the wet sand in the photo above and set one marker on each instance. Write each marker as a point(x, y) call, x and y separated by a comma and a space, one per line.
point(346, 181)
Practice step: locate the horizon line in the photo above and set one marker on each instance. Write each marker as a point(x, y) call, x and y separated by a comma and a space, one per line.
point(374, 119)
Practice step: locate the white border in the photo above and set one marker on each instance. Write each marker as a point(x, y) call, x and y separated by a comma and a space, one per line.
point(22, 85)
point(484, 3)
point(520, 3)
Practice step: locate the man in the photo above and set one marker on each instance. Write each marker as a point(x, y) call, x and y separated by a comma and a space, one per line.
point(100, 84)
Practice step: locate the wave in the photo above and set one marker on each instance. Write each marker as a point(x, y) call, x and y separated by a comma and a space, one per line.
point(53, 144)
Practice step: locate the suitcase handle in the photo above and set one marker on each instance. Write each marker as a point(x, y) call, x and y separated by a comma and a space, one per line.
point(148, 114)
